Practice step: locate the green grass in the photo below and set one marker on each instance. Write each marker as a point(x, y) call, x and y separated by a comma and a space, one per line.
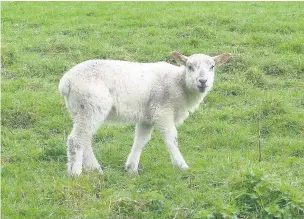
point(263, 83)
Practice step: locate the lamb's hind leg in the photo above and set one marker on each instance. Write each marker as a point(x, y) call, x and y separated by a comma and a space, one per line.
point(89, 160)
point(87, 118)
point(79, 139)
point(141, 138)
point(80, 152)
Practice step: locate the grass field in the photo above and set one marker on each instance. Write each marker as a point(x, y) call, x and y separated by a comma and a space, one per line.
point(257, 97)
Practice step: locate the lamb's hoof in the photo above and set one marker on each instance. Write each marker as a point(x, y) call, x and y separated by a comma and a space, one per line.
point(73, 171)
point(130, 168)
point(74, 174)
point(99, 169)
point(182, 167)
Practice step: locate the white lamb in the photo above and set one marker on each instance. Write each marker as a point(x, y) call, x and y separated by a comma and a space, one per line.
point(149, 95)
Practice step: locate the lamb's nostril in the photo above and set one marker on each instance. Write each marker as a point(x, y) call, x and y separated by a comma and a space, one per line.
point(202, 81)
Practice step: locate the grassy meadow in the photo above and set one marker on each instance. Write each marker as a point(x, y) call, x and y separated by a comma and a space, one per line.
point(257, 101)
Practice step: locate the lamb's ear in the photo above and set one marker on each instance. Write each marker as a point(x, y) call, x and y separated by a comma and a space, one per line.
point(221, 59)
point(179, 57)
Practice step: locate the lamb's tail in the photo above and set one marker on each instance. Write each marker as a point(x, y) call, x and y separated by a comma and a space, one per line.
point(64, 86)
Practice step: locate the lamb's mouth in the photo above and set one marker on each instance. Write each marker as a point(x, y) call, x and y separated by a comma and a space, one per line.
point(202, 89)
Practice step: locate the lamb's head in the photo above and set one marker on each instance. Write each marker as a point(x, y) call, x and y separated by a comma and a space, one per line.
point(200, 69)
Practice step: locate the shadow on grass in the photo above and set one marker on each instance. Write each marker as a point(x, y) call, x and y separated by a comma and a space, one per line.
point(54, 154)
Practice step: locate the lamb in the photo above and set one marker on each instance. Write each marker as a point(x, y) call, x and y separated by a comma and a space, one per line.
point(159, 95)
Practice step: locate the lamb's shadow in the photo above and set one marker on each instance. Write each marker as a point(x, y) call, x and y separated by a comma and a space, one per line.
point(54, 154)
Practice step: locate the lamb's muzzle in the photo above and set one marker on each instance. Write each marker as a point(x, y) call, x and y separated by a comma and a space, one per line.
point(159, 95)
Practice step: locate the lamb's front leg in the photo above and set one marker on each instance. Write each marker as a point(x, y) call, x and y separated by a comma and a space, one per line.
point(169, 134)
point(141, 138)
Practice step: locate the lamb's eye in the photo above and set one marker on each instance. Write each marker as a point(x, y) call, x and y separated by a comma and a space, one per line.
point(190, 68)
point(212, 67)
